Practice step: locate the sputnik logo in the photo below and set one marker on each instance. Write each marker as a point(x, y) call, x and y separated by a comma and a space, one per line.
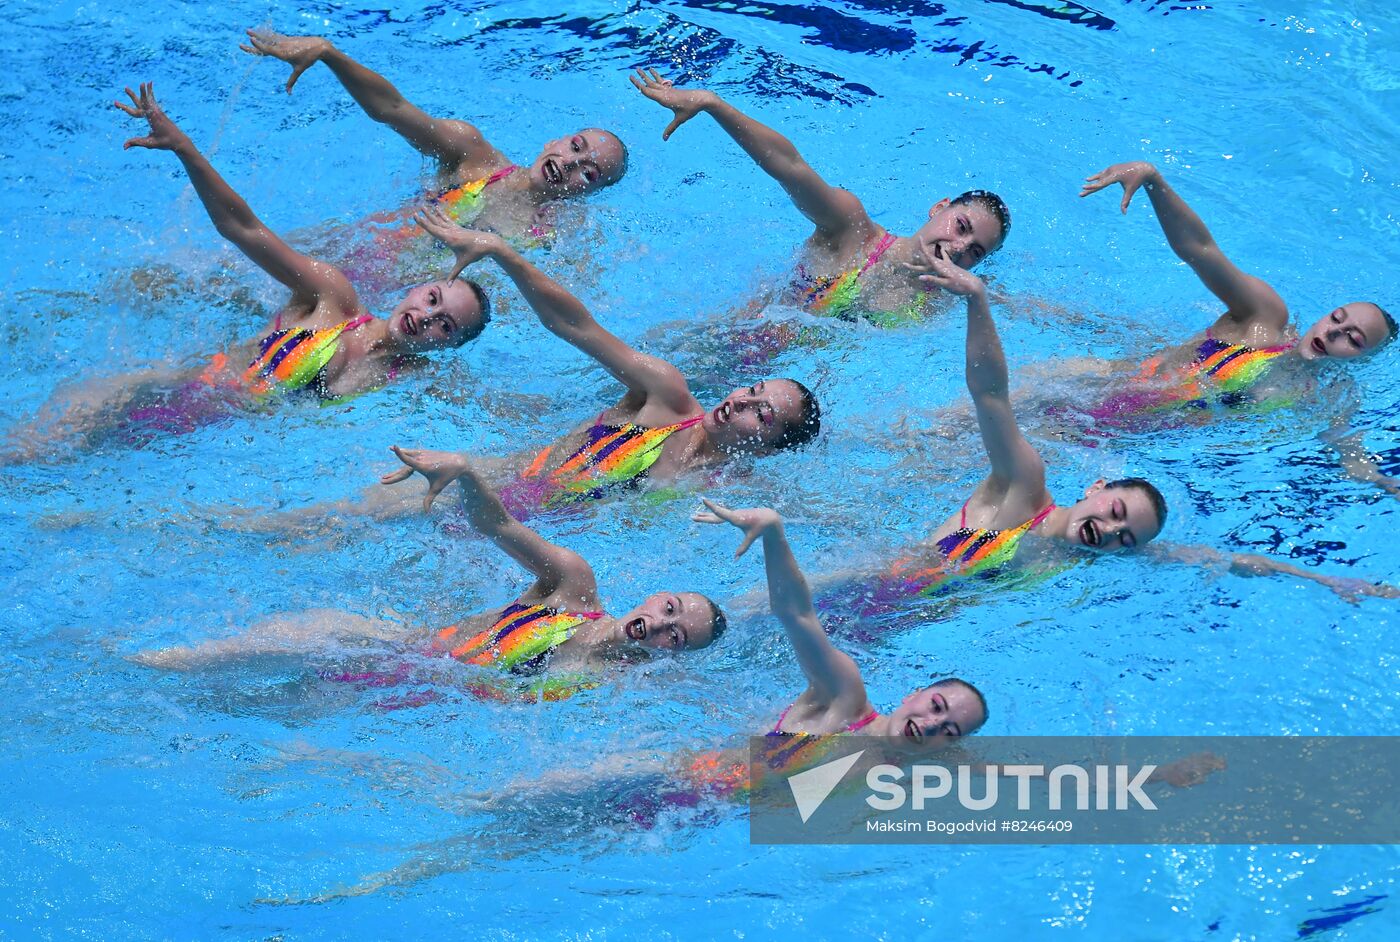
point(811, 788)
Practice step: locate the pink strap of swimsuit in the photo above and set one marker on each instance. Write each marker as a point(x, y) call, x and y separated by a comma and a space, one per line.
point(1035, 521)
point(885, 242)
point(1038, 518)
point(857, 725)
point(500, 175)
point(351, 325)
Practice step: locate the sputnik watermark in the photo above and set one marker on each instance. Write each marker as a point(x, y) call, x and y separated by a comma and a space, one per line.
point(1175, 790)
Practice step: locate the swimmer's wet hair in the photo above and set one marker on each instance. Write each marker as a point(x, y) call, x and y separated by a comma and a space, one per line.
point(991, 203)
point(626, 157)
point(718, 623)
point(1159, 503)
point(483, 301)
point(1389, 324)
point(808, 425)
point(986, 713)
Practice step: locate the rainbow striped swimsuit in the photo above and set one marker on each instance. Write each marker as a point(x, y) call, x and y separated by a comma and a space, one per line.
point(293, 359)
point(520, 639)
point(610, 457)
point(839, 296)
point(1220, 374)
point(463, 204)
point(967, 551)
point(723, 774)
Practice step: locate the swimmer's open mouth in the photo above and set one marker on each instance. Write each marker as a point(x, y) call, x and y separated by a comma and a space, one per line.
point(552, 173)
point(1089, 533)
point(937, 250)
point(911, 729)
point(721, 413)
point(409, 328)
point(636, 629)
point(1319, 346)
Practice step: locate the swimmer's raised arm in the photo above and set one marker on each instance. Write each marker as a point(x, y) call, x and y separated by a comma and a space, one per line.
point(451, 142)
point(833, 210)
point(1253, 564)
point(1013, 459)
point(831, 674)
point(553, 567)
point(563, 314)
point(1246, 297)
point(309, 279)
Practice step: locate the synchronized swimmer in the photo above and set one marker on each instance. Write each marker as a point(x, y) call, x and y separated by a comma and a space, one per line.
point(556, 633)
point(475, 183)
point(851, 266)
point(323, 343)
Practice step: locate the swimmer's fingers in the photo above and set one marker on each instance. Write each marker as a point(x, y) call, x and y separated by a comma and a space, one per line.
point(394, 477)
point(436, 485)
point(1130, 175)
point(1351, 590)
point(721, 513)
point(1096, 182)
point(300, 52)
point(456, 269)
point(676, 122)
point(434, 221)
point(647, 84)
point(416, 464)
point(297, 71)
point(1107, 178)
point(1130, 186)
point(751, 522)
point(133, 109)
point(749, 537)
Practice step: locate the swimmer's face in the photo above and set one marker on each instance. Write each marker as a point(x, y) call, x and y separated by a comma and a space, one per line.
point(1350, 331)
point(1110, 519)
point(669, 621)
point(965, 233)
point(578, 164)
point(934, 715)
point(753, 419)
point(435, 315)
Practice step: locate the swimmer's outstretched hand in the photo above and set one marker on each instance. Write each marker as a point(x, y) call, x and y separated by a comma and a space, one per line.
point(441, 468)
point(1132, 175)
point(164, 134)
point(469, 245)
point(686, 103)
point(300, 52)
point(754, 521)
point(1351, 590)
point(935, 270)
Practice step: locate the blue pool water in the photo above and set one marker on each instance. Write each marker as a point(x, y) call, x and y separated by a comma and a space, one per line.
point(142, 805)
